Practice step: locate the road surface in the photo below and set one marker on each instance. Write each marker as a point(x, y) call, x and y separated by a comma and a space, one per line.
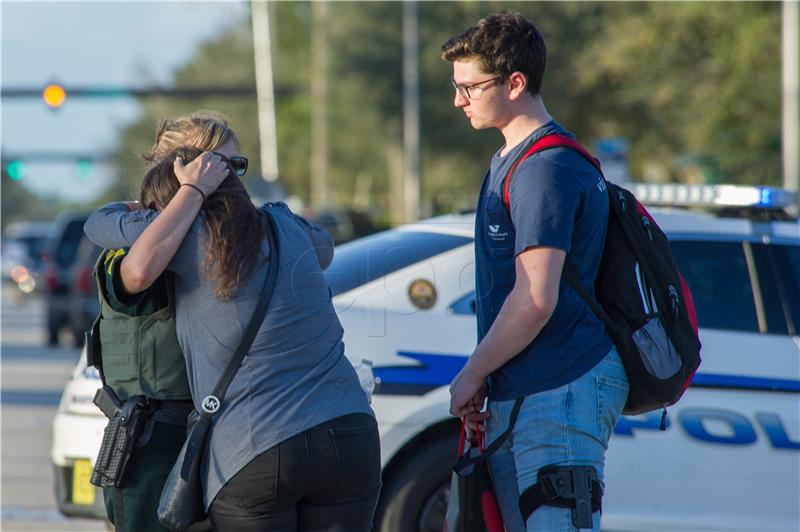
point(33, 376)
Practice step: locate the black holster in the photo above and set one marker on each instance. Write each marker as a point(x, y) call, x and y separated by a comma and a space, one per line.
point(575, 487)
point(126, 422)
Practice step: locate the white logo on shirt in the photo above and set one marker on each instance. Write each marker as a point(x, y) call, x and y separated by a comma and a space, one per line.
point(494, 228)
point(601, 185)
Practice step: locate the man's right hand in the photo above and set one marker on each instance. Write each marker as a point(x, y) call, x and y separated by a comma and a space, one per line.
point(476, 422)
point(205, 172)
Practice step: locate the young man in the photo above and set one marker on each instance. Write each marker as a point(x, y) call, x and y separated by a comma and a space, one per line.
point(538, 340)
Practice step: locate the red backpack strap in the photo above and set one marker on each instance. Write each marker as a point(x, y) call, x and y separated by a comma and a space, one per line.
point(546, 143)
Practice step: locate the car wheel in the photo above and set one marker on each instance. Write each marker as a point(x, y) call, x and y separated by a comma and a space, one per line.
point(415, 497)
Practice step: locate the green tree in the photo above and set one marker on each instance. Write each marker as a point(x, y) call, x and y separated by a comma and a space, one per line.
point(687, 84)
point(697, 81)
point(19, 204)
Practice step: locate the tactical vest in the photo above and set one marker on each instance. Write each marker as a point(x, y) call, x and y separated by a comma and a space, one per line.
point(140, 354)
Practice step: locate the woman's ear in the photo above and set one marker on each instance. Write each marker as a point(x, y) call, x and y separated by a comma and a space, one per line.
point(517, 84)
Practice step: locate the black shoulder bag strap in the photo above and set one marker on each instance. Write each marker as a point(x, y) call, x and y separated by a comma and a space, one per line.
point(572, 276)
point(211, 403)
point(500, 440)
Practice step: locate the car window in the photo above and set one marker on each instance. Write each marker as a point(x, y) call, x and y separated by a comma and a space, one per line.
point(779, 274)
point(717, 275)
point(366, 259)
point(35, 247)
point(465, 305)
point(791, 276)
point(778, 287)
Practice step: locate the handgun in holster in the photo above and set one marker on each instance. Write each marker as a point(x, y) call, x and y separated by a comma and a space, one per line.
point(126, 421)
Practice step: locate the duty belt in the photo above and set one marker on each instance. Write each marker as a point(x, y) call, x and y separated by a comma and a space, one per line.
point(170, 412)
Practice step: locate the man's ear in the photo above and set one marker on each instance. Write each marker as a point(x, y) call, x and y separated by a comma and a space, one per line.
point(517, 84)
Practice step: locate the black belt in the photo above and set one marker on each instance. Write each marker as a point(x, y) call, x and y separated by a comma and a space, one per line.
point(170, 412)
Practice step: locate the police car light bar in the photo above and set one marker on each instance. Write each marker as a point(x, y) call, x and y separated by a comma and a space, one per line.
point(713, 195)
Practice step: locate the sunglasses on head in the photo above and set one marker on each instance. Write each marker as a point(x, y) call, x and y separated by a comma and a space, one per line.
point(237, 162)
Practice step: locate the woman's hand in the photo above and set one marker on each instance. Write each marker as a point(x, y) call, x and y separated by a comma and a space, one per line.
point(205, 172)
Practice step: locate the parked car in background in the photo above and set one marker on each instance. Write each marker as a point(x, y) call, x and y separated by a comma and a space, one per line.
point(23, 248)
point(59, 257)
point(729, 458)
point(344, 225)
point(77, 432)
point(83, 303)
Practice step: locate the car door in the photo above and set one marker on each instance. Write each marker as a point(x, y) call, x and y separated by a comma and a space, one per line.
point(730, 457)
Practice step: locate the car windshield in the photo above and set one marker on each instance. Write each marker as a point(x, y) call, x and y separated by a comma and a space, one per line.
point(369, 258)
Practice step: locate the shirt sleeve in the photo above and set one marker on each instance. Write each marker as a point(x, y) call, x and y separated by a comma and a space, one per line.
point(544, 201)
point(116, 296)
point(113, 226)
point(320, 238)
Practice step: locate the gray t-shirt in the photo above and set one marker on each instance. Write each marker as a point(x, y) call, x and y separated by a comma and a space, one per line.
point(295, 375)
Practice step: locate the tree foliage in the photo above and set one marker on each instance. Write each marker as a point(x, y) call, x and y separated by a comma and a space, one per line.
point(693, 87)
point(19, 204)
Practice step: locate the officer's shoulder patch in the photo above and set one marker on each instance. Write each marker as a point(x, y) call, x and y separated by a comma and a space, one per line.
point(111, 256)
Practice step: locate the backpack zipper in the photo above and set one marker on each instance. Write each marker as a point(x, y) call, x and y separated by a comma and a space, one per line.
point(646, 224)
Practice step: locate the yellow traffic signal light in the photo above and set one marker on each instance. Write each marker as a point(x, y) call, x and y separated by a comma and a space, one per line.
point(54, 96)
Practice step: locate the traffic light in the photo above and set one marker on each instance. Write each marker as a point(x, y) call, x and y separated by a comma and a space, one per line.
point(15, 170)
point(54, 96)
point(83, 168)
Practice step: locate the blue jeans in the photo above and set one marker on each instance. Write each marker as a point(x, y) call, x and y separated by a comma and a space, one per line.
point(569, 425)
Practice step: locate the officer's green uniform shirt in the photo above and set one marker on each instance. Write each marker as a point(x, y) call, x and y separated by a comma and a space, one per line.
point(132, 508)
point(147, 302)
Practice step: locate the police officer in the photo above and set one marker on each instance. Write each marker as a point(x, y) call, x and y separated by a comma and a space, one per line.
point(141, 358)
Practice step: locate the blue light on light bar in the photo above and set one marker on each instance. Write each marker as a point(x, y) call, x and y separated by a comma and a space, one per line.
point(674, 194)
point(766, 197)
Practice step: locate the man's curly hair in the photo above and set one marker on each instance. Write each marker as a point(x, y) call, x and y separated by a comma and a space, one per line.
point(502, 43)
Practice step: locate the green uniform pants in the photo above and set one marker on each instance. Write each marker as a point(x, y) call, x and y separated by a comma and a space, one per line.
point(132, 507)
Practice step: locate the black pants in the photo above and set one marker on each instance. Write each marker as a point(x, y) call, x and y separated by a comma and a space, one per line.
point(326, 478)
point(132, 507)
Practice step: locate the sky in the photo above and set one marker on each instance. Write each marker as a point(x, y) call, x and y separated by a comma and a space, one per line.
point(108, 43)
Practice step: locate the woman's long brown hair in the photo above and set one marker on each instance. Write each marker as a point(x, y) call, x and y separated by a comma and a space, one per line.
point(235, 229)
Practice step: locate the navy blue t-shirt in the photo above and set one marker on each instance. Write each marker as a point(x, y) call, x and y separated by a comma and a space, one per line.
point(559, 200)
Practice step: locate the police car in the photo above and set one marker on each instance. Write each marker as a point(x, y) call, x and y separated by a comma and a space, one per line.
point(730, 455)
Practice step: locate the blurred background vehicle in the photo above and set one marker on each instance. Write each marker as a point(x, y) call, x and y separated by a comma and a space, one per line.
point(77, 432)
point(343, 224)
point(22, 254)
point(59, 257)
point(82, 289)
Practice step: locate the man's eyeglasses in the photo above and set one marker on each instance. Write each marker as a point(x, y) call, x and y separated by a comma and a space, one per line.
point(237, 162)
point(472, 92)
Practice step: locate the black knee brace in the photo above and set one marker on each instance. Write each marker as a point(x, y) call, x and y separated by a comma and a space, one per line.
point(573, 487)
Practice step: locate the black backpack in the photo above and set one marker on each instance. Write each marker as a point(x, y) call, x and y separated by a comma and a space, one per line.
point(641, 296)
